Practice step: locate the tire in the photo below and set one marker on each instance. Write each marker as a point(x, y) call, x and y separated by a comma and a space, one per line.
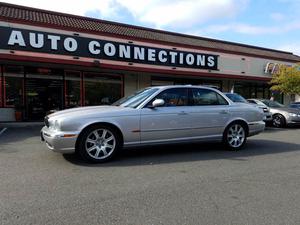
point(98, 144)
point(278, 121)
point(235, 136)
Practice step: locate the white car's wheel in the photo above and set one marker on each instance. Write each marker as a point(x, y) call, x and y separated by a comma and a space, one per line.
point(278, 120)
point(98, 143)
point(235, 136)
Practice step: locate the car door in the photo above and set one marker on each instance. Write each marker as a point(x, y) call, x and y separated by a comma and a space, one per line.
point(167, 122)
point(209, 113)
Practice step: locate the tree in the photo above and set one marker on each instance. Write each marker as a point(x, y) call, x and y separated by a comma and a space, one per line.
point(287, 80)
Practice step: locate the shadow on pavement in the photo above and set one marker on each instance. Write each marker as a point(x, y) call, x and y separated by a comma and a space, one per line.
point(19, 134)
point(269, 129)
point(188, 153)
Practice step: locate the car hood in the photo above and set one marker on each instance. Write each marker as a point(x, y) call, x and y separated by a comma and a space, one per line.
point(247, 104)
point(89, 111)
point(286, 109)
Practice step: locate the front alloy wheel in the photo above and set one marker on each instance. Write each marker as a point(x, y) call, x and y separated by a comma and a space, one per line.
point(278, 120)
point(98, 144)
point(235, 136)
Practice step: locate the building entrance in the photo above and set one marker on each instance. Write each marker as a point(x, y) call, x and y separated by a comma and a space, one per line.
point(44, 93)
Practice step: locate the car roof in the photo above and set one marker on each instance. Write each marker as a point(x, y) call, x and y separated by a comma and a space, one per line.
point(185, 86)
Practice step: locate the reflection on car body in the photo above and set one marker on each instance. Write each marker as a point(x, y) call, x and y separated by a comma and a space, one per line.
point(152, 116)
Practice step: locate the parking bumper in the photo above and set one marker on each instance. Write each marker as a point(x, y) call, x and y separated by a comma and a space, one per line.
point(58, 141)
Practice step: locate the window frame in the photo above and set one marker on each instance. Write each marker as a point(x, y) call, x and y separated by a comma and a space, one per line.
point(146, 105)
point(191, 102)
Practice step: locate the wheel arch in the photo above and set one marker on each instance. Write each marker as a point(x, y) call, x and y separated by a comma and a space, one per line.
point(280, 114)
point(241, 121)
point(283, 117)
point(107, 124)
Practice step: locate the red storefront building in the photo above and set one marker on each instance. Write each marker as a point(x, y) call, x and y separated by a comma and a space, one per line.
point(52, 61)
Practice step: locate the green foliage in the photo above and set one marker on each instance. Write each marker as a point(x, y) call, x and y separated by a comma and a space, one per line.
point(287, 80)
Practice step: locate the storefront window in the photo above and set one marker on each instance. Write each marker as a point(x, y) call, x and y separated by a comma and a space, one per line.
point(13, 79)
point(266, 92)
point(101, 89)
point(1, 88)
point(243, 90)
point(252, 90)
point(72, 89)
point(215, 84)
point(159, 81)
point(260, 92)
point(44, 91)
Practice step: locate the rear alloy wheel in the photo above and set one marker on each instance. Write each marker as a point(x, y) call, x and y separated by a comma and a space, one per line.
point(235, 136)
point(278, 120)
point(99, 144)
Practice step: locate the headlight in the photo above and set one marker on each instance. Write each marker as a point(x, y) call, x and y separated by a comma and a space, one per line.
point(266, 110)
point(292, 114)
point(55, 125)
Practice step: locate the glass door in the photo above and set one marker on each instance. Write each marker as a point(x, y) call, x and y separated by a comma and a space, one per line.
point(44, 92)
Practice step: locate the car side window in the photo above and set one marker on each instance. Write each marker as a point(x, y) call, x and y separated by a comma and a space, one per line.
point(206, 97)
point(173, 97)
point(252, 101)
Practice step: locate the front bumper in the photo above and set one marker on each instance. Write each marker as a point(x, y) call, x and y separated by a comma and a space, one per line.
point(256, 127)
point(293, 120)
point(59, 141)
point(268, 117)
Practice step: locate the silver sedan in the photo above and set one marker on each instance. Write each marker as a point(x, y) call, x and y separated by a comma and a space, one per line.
point(282, 115)
point(152, 116)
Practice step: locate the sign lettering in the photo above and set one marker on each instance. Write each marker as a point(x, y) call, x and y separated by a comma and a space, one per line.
point(43, 42)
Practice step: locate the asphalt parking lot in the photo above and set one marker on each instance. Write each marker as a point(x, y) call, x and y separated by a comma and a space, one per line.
point(184, 184)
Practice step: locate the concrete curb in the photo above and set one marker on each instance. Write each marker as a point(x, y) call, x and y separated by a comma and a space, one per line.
point(20, 124)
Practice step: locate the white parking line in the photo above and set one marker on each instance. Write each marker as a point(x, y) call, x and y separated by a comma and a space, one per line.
point(3, 130)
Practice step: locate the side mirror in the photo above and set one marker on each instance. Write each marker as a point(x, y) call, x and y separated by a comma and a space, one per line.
point(157, 103)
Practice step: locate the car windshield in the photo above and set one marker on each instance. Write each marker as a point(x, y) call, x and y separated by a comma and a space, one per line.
point(236, 98)
point(256, 102)
point(272, 104)
point(136, 99)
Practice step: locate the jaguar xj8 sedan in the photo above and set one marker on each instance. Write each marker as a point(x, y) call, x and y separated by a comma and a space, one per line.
point(152, 116)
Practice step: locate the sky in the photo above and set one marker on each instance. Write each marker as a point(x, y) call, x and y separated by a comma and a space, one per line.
point(265, 23)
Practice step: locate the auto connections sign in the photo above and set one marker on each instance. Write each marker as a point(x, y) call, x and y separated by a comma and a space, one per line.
point(52, 43)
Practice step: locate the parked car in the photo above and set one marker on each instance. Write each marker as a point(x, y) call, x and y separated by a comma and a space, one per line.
point(152, 116)
point(295, 105)
point(264, 107)
point(239, 99)
point(282, 115)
